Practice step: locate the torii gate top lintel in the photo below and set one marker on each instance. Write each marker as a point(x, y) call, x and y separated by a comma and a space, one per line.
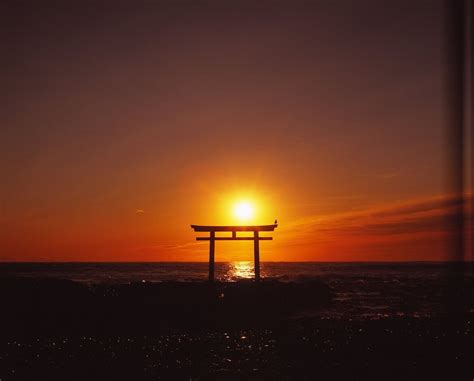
point(231, 228)
point(234, 229)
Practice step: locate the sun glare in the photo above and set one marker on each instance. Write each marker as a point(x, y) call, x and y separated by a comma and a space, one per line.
point(243, 211)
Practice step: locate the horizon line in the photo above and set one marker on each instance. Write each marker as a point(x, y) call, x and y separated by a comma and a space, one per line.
point(115, 262)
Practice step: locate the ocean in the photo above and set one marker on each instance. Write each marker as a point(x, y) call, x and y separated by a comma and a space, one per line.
point(384, 321)
point(362, 290)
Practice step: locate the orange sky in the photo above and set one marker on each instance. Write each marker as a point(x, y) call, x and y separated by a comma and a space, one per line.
point(126, 124)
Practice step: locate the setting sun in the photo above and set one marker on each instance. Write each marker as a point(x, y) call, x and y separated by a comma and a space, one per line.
point(244, 211)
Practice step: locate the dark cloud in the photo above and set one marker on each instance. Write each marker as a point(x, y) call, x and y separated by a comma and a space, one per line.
point(429, 205)
point(436, 215)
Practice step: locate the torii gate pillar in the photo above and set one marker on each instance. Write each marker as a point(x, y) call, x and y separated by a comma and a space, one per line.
point(256, 256)
point(212, 244)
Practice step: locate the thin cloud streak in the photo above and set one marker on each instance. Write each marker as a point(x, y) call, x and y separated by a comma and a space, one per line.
point(432, 215)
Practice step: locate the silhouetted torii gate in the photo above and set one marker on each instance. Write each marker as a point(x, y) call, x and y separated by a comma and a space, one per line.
point(234, 229)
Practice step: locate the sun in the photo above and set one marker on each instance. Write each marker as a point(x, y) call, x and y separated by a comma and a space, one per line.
point(243, 211)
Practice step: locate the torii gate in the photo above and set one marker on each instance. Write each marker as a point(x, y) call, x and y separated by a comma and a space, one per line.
point(234, 229)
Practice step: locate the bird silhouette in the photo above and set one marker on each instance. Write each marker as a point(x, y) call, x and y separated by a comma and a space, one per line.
point(276, 222)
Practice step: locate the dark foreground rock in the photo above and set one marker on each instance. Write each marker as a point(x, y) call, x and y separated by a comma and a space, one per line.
point(63, 306)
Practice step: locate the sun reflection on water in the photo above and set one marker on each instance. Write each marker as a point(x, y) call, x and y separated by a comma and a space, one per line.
point(240, 270)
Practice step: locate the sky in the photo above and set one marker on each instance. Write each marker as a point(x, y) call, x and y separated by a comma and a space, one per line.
point(126, 122)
